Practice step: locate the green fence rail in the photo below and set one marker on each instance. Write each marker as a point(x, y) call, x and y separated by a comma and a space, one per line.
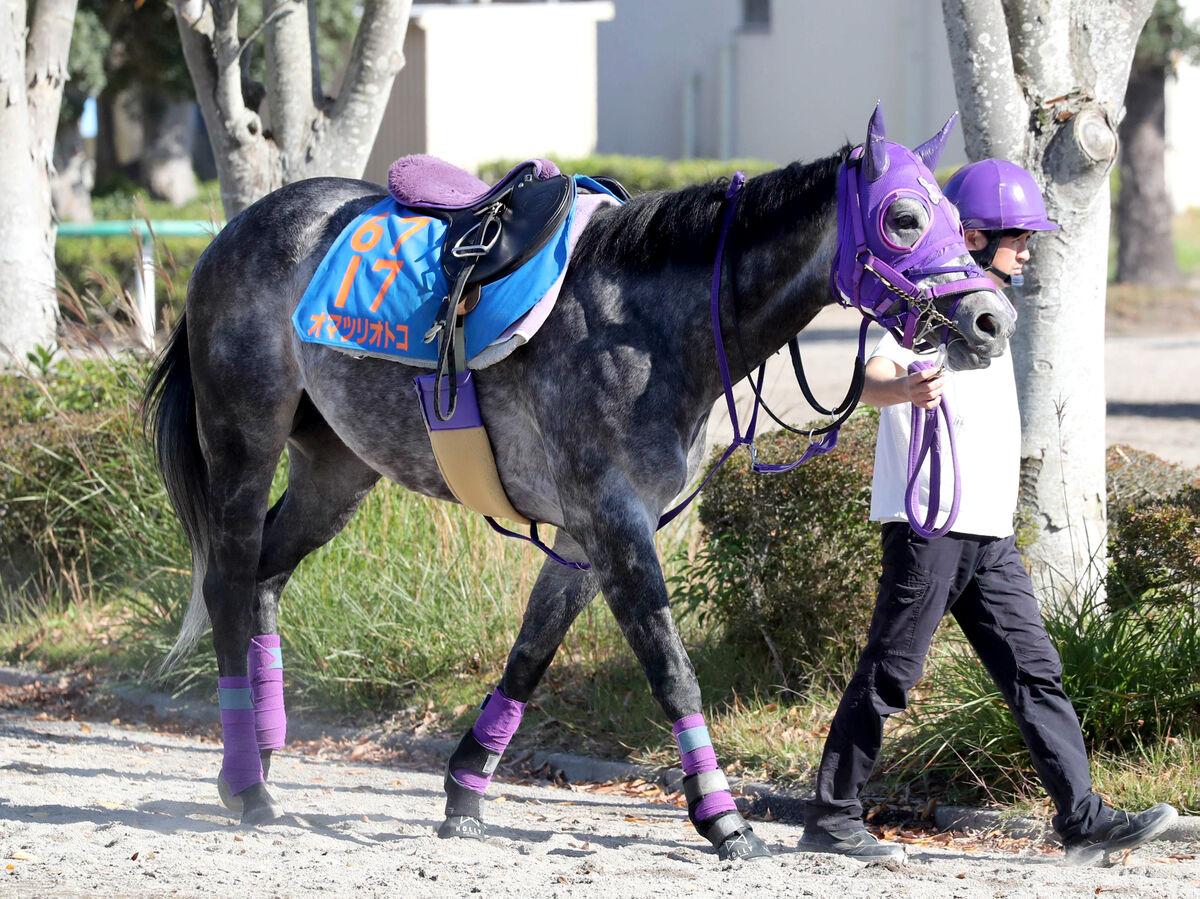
point(146, 232)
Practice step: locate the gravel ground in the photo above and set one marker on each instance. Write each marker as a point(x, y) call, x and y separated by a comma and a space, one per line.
point(93, 808)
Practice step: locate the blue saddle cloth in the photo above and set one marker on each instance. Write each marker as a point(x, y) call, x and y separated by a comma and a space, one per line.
point(378, 289)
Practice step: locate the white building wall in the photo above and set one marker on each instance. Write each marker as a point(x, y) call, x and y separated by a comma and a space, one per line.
point(798, 90)
point(811, 82)
point(1183, 130)
point(487, 81)
point(650, 53)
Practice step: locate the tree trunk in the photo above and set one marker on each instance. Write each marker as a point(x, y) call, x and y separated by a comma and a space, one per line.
point(166, 164)
point(308, 137)
point(1041, 83)
point(74, 176)
point(1145, 249)
point(33, 69)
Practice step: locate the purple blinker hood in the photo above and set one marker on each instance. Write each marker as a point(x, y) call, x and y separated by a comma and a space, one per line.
point(878, 277)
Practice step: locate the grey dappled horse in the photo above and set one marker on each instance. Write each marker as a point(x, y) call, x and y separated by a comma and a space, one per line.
point(596, 425)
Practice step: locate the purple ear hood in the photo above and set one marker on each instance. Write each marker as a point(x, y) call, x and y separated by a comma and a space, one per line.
point(931, 151)
point(875, 159)
point(866, 263)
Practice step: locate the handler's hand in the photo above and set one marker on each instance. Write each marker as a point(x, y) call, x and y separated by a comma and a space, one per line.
point(925, 388)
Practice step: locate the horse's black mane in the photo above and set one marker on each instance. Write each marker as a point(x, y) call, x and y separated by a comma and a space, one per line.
point(683, 225)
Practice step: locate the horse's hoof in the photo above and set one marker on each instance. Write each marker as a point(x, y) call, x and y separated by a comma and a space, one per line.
point(743, 845)
point(229, 799)
point(462, 826)
point(258, 806)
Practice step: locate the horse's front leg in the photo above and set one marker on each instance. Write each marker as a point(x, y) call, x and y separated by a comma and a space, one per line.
point(623, 557)
point(558, 596)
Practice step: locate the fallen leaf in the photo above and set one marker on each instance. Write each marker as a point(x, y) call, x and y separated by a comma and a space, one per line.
point(500, 799)
point(637, 820)
point(85, 728)
point(39, 814)
point(133, 858)
point(24, 857)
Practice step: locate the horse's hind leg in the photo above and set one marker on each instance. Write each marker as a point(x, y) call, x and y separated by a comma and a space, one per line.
point(241, 464)
point(558, 596)
point(326, 484)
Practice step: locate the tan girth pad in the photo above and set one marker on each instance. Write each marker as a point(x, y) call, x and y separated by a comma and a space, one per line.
point(465, 458)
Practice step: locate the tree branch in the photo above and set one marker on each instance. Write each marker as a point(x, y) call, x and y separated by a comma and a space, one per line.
point(994, 110)
point(375, 60)
point(289, 79)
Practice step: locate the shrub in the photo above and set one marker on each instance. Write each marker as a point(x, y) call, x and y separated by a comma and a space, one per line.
point(1154, 554)
point(80, 500)
point(1136, 477)
point(789, 564)
point(643, 173)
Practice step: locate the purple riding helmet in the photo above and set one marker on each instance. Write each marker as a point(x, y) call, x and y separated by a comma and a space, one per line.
point(882, 279)
point(998, 195)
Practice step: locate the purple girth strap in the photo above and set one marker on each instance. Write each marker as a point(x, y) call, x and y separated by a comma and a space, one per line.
point(926, 441)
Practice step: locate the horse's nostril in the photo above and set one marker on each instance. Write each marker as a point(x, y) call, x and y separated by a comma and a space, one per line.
point(988, 325)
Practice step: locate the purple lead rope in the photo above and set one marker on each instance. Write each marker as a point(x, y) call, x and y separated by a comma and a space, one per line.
point(926, 441)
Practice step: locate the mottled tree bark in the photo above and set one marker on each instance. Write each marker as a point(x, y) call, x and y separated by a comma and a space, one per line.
point(1145, 249)
point(33, 69)
point(1042, 83)
point(310, 135)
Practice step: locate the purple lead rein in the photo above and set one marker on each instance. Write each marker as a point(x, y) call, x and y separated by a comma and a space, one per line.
point(926, 441)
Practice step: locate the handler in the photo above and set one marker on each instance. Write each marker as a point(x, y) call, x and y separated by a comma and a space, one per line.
point(974, 572)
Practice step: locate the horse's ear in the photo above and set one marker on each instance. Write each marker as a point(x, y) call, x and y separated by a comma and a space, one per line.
point(875, 158)
point(931, 151)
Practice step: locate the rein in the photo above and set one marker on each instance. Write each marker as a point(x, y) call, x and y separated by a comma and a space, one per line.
point(926, 441)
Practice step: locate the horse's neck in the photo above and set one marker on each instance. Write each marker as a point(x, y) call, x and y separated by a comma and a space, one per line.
point(780, 281)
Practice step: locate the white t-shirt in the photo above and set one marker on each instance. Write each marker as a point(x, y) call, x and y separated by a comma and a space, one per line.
point(987, 431)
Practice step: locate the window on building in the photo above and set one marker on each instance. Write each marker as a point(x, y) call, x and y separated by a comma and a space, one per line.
point(756, 15)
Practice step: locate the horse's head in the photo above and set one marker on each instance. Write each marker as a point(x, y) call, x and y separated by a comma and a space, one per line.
point(901, 258)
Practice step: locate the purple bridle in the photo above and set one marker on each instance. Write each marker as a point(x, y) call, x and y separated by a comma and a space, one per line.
point(881, 280)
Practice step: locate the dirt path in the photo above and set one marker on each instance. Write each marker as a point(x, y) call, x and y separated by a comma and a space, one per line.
point(92, 808)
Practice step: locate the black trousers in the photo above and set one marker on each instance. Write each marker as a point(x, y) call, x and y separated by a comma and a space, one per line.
point(983, 583)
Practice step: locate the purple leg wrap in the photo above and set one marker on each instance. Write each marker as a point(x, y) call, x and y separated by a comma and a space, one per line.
point(493, 729)
point(696, 751)
point(498, 721)
point(242, 766)
point(265, 661)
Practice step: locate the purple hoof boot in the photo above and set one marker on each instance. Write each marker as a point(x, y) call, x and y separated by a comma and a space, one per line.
point(462, 826)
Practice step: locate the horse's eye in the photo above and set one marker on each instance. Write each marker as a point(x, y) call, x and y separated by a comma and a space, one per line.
point(907, 221)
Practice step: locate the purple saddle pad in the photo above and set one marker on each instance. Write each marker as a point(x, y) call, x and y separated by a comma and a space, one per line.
point(426, 182)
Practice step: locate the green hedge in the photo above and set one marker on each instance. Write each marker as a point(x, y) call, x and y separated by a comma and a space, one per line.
point(642, 173)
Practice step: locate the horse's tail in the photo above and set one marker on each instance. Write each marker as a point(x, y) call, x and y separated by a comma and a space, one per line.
point(169, 410)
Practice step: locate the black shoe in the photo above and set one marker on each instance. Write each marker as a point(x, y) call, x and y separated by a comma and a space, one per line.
point(854, 842)
point(1124, 831)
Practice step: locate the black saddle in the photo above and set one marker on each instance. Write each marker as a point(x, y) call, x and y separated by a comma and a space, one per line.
point(514, 221)
point(487, 237)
